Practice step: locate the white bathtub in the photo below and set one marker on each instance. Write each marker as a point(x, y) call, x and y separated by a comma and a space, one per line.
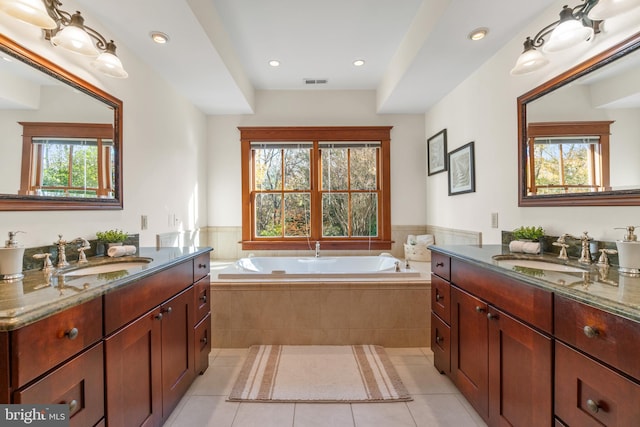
point(311, 267)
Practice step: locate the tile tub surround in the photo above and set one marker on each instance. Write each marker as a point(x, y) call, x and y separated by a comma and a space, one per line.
point(392, 313)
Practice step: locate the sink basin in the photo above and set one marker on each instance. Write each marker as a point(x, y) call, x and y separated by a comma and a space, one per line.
point(540, 265)
point(107, 268)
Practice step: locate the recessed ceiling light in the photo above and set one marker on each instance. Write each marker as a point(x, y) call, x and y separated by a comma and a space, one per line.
point(478, 34)
point(274, 63)
point(159, 37)
point(358, 62)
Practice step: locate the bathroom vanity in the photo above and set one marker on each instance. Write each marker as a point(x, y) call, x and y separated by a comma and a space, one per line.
point(120, 348)
point(534, 347)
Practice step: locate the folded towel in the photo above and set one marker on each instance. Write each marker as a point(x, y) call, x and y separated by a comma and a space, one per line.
point(526, 247)
point(516, 246)
point(118, 251)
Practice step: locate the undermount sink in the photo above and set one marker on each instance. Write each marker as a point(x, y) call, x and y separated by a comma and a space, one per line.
point(539, 264)
point(108, 268)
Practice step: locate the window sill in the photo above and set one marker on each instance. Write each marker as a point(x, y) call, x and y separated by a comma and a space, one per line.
point(248, 245)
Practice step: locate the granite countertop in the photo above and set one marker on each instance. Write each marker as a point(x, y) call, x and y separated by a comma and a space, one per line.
point(41, 294)
point(602, 287)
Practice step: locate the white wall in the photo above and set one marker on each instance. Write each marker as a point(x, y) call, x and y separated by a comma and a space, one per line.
point(483, 109)
point(317, 108)
point(164, 147)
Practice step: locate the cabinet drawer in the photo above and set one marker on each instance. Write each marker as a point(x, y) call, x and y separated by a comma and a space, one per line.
point(612, 339)
point(441, 265)
point(202, 344)
point(441, 344)
point(589, 394)
point(42, 345)
point(201, 266)
point(132, 301)
point(78, 383)
point(440, 298)
point(202, 298)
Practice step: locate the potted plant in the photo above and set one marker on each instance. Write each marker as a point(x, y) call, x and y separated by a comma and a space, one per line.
point(112, 237)
point(527, 239)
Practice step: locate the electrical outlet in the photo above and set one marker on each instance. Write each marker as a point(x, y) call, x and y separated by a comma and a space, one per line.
point(143, 222)
point(494, 219)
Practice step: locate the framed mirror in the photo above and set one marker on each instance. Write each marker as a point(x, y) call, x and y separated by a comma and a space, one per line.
point(578, 134)
point(61, 143)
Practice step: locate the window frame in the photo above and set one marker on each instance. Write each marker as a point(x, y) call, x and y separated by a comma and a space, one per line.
point(600, 173)
point(316, 135)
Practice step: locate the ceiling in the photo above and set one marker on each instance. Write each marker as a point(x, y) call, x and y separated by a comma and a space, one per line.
point(415, 51)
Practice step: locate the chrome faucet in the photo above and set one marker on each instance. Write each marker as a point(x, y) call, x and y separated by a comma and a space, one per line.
point(84, 245)
point(317, 249)
point(62, 256)
point(585, 253)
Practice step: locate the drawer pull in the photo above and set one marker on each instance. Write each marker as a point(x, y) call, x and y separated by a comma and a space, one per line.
point(158, 316)
point(167, 310)
point(72, 333)
point(202, 265)
point(439, 339)
point(73, 405)
point(204, 340)
point(590, 331)
point(439, 264)
point(593, 406)
point(439, 297)
point(492, 316)
point(203, 298)
point(479, 309)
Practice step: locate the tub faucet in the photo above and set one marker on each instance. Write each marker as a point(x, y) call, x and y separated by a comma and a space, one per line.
point(317, 249)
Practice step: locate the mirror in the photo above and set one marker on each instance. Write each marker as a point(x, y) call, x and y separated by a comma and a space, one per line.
point(61, 144)
point(578, 134)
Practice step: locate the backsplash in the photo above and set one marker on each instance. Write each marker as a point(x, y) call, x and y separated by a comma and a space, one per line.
point(97, 248)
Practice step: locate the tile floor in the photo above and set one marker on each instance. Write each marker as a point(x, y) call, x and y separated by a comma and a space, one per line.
point(436, 401)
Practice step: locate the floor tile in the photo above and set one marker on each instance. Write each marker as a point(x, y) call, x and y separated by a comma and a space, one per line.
point(264, 415)
point(442, 410)
point(472, 412)
point(203, 411)
point(424, 379)
point(382, 415)
point(216, 381)
point(323, 415)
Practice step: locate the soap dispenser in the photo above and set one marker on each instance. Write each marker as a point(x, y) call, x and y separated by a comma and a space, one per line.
point(11, 259)
point(629, 252)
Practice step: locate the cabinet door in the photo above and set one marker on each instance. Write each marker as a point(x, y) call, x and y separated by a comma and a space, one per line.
point(202, 345)
point(202, 298)
point(177, 349)
point(441, 344)
point(469, 348)
point(133, 361)
point(520, 373)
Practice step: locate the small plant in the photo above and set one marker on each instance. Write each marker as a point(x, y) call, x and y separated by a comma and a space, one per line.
point(528, 233)
point(112, 236)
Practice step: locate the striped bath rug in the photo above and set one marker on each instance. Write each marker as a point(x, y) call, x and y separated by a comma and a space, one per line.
point(293, 373)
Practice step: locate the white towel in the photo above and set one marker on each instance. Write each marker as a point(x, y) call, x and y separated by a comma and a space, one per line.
point(531, 247)
point(516, 246)
point(118, 251)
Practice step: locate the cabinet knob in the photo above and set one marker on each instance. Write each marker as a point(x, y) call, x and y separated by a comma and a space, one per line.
point(202, 265)
point(439, 339)
point(480, 309)
point(158, 316)
point(492, 316)
point(167, 310)
point(73, 405)
point(204, 340)
point(439, 264)
point(72, 333)
point(438, 297)
point(203, 298)
point(593, 406)
point(590, 331)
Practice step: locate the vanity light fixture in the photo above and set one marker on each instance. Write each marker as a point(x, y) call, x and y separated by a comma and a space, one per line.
point(576, 25)
point(358, 62)
point(67, 30)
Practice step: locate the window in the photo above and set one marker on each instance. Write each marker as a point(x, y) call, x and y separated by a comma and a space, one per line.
point(302, 185)
point(68, 160)
point(568, 157)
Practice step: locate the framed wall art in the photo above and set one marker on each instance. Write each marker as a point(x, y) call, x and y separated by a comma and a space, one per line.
point(462, 172)
point(437, 153)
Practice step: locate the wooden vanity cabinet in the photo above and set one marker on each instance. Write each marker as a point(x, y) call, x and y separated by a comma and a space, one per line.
point(501, 357)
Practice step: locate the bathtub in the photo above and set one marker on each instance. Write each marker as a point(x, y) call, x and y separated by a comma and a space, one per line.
point(365, 267)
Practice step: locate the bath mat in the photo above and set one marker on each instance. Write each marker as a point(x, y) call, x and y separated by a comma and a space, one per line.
point(290, 373)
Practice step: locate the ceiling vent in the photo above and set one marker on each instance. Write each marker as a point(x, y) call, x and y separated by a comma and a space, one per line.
point(315, 81)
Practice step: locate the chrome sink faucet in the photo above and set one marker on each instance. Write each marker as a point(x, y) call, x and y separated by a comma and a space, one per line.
point(62, 256)
point(585, 253)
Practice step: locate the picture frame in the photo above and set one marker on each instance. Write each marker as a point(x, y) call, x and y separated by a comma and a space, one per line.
point(437, 153)
point(462, 172)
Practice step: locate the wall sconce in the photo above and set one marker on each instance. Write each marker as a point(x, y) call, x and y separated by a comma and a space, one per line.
point(576, 25)
point(68, 31)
